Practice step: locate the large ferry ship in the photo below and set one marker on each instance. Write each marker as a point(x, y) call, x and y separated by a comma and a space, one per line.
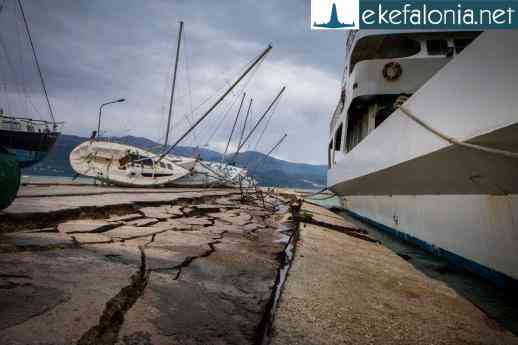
point(424, 142)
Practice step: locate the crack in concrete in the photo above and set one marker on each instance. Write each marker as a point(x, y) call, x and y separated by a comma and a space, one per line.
point(13, 222)
point(189, 260)
point(103, 228)
point(37, 248)
point(19, 276)
point(11, 285)
point(124, 239)
point(150, 241)
point(357, 233)
point(106, 332)
point(265, 327)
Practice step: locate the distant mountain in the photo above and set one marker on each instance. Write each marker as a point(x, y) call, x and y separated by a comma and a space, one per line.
point(268, 171)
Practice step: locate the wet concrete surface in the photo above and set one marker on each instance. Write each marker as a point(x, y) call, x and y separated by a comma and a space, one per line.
point(175, 267)
point(342, 289)
point(179, 266)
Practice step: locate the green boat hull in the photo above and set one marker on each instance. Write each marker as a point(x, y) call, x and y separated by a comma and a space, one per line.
point(10, 175)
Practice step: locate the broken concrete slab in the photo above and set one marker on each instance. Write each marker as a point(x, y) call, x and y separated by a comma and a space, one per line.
point(187, 211)
point(200, 221)
point(160, 213)
point(175, 225)
point(36, 240)
point(175, 211)
point(87, 225)
point(210, 208)
point(221, 300)
point(222, 295)
point(88, 238)
point(125, 218)
point(142, 222)
point(253, 227)
point(68, 293)
point(236, 218)
point(127, 232)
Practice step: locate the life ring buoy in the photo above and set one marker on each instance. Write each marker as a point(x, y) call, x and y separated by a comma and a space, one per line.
point(392, 71)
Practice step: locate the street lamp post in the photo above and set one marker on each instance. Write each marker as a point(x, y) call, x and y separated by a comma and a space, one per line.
point(100, 112)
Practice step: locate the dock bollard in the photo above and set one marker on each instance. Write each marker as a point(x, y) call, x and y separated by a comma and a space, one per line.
point(295, 207)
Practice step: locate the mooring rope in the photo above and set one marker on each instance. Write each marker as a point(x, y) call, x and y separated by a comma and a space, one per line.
point(321, 192)
point(455, 141)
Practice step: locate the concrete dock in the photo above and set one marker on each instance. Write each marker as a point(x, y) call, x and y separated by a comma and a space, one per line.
point(343, 289)
point(104, 265)
point(97, 265)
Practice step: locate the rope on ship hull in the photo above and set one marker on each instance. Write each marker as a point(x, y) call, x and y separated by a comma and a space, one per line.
point(455, 141)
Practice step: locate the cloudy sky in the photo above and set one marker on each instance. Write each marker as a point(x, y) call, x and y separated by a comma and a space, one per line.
point(92, 51)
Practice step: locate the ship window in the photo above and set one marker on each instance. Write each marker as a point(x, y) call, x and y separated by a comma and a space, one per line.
point(147, 162)
point(461, 43)
point(437, 47)
point(384, 47)
point(338, 138)
point(355, 130)
point(162, 165)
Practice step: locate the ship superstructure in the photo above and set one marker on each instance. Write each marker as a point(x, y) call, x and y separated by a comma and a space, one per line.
point(424, 142)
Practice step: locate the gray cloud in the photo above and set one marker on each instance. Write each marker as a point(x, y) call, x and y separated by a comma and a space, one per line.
point(94, 50)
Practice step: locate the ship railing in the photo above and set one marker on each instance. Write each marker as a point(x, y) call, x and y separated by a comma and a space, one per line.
point(25, 124)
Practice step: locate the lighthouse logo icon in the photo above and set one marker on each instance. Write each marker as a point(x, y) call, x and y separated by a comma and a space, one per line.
point(334, 14)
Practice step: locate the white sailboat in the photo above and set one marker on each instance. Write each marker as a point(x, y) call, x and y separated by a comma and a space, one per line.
point(130, 166)
point(424, 142)
point(124, 165)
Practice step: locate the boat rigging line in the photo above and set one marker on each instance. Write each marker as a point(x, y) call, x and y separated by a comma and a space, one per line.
point(220, 99)
point(221, 121)
point(234, 126)
point(258, 123)
point(245, 122)
point(259, 162)
point(187, 115)
point(266, 126)
point(244, 87)
point(28, 32)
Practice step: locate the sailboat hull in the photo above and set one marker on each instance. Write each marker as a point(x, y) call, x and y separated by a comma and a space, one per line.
point(123, 165)
point(28, 147)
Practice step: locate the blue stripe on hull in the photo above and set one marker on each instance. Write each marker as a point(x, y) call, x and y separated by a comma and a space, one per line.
point(27, 158)
point(500, 279)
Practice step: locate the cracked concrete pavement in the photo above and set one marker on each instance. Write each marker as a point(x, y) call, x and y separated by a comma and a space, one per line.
point(116, 266)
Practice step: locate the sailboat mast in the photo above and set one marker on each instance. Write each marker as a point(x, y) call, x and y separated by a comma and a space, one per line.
point(220, 99)
point(244, 124)
point(235, 123)
point(28, 31)
point(260, 120)
point(171, 100)
point(258, 163)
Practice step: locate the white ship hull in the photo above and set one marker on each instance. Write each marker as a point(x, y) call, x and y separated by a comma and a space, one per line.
point(458, 202)
point(478, 232)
